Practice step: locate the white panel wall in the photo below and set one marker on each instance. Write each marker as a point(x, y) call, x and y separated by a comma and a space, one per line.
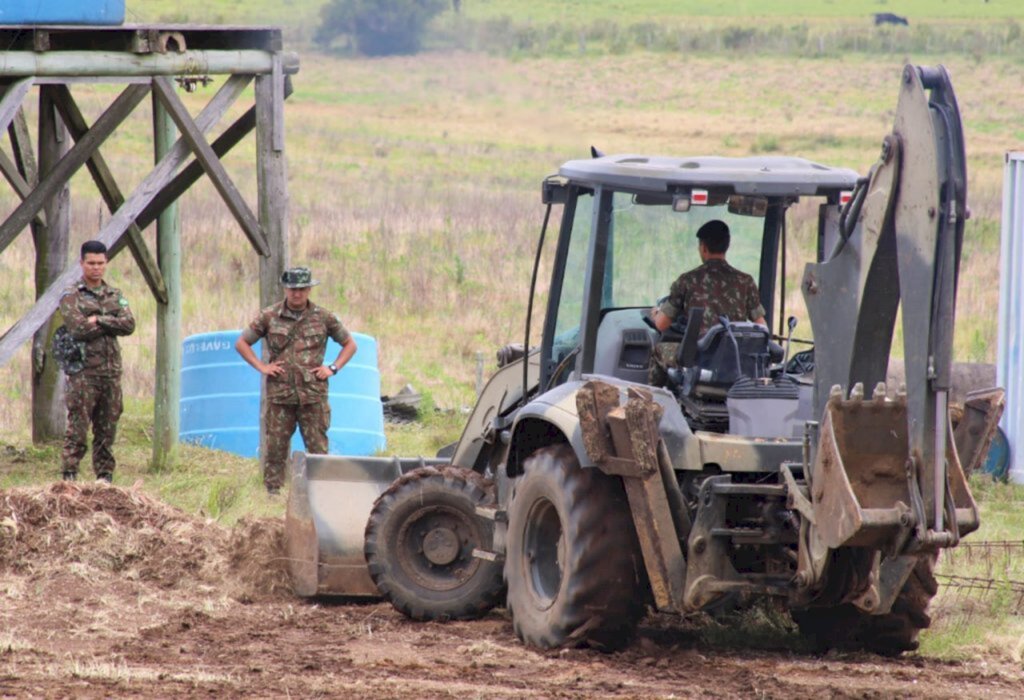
point(1010, 362)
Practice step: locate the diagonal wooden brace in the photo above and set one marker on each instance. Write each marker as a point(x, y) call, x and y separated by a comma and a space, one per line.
point(21, 186)
point(10, 103)
point(188, 176)
point(114, 228)
point(193, 136)
point(110, 192)
point(122, 106)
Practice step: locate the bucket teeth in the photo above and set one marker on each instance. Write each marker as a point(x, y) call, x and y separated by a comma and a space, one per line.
point(836, 392)
point(857, 392)
point(880, 392)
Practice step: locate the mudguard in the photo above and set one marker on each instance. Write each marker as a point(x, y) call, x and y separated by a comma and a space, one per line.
point(556, 410)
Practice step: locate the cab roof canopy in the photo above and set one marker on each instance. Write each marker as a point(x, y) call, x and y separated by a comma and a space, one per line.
point(770, 176)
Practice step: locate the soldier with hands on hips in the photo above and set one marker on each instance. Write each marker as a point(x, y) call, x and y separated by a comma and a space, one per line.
point(296, 332)
point(95, 314)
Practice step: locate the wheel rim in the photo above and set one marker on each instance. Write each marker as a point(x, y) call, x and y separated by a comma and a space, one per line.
point(543, 549)
point(435, 547)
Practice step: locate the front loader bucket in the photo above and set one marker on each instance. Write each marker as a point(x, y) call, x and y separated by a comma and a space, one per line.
point(328, 505)
point(862, 492)
point(982, 410)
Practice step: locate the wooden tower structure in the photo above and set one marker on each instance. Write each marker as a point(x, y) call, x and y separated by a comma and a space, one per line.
point(149, 61)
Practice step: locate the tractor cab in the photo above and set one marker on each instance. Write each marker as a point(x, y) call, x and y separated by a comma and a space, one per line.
point(628, 230)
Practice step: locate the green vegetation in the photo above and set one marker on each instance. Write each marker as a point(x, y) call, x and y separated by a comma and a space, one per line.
point(580, 27)
point(980, 606)
point(575, 12)
point(414, 196)
point(209, 483)
point(377, 27)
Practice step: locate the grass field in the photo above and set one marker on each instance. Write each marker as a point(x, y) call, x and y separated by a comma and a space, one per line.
point(580, 27)
point(414, 186)
point(292, 13)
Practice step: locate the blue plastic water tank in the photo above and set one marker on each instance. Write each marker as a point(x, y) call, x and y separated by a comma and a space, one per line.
point(62, 11)
point(220, 398)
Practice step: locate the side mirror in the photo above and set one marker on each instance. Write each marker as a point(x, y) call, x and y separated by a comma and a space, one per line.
point(554, 190)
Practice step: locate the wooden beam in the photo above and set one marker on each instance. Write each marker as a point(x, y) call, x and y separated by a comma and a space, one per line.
point(14, 95)
point(21, 145)
point(51, 252)
point(10, 172)
point(272, 187)
point(124, 63)
point(116, 226)
point(22, 172)
point(167, 383)
point(71, 162)
point(191, 173)
point(277, 103)
point(109, 190)
point(194, 170)
point(164, 91)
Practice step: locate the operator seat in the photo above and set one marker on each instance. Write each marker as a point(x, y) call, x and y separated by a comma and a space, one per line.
point(727, 352)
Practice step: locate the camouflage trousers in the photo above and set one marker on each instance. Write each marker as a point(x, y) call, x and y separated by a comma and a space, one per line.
point(313, 420)
point(662, 360)
point(95, 400)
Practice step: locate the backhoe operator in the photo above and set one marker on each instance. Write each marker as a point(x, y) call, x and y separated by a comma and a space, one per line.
point(716, 286)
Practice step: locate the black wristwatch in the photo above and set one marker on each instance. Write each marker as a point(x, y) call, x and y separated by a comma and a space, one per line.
point(333, 368)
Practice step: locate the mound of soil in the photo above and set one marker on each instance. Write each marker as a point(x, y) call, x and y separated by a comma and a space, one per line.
point(102, 531)
point(107, 592)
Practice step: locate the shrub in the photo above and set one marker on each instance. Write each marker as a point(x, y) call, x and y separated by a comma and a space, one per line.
point(378, 27)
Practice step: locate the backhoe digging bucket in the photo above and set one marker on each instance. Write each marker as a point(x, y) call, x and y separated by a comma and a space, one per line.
point(861, 491)
point(328, 505)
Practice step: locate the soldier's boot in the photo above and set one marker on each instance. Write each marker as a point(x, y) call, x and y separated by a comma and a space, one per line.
point(69, 476)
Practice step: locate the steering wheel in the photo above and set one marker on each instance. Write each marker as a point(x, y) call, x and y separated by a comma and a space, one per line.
point(801, 363)
point(675, 332)
point(649, 319)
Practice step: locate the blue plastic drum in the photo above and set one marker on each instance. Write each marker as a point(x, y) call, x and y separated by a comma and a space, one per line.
point(997, 462)
point(220, 398)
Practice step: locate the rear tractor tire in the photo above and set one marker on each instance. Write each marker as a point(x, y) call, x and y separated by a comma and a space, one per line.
point(573, 564)
point(419, 545)
point(845, 627)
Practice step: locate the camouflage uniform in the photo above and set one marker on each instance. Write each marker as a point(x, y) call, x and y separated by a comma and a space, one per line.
point(297, 339)
point(718, 288)
point(93, 392)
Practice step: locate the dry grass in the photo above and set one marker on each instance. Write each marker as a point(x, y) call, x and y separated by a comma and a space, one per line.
point(414, 189)
point(96, 532)
point(121, 672)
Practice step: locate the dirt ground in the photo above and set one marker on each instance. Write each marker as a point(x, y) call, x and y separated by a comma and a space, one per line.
point(105, 592)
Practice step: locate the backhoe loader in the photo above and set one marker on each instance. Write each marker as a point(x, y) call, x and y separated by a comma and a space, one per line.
point(579, 495)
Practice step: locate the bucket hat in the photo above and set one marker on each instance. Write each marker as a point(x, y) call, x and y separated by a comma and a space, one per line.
point(298, 278)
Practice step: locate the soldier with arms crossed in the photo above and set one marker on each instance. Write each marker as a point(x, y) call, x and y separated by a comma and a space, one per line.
point(95, 315)
point(296, 332)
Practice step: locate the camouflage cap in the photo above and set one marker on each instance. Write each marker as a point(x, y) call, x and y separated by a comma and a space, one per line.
point(298, 278)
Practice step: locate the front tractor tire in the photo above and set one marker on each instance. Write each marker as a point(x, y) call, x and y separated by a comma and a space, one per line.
point(847, 628)
point(419, 545)
point(573, 566)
